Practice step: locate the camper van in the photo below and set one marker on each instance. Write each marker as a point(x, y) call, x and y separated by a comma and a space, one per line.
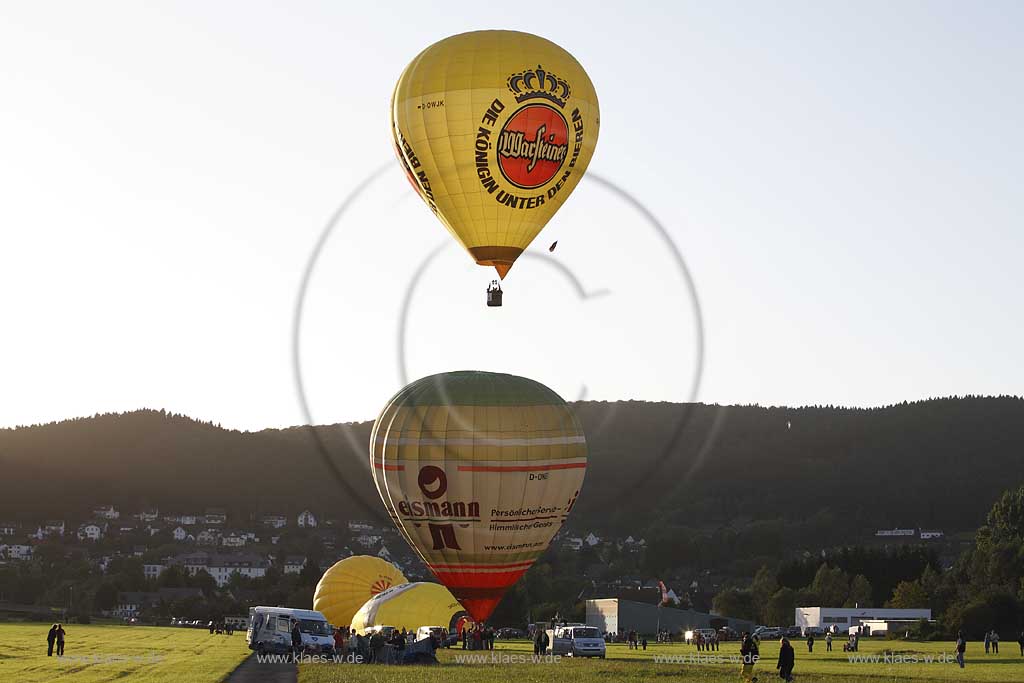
point(576, 640)
point(270, 630)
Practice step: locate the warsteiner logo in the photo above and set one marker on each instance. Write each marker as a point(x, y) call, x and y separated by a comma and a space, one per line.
point(532, 146)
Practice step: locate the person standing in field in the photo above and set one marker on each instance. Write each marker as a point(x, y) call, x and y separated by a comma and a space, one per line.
point(987, 641)
point(787, 660)
point(296, 639)
point(60, 640)
point(828, 642)
point(1020, 641)
point(810, 642)
point(749, 656)
point(51, 638)
point(995, 642)
point(961, 648)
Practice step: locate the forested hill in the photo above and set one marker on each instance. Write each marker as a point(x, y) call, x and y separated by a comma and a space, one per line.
point(937, 463)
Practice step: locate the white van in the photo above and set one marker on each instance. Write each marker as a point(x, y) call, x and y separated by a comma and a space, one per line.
point(270, 630)
point(576, 640)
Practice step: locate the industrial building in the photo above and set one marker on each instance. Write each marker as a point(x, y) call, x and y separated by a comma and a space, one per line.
point(843, 618)
point(614, 615)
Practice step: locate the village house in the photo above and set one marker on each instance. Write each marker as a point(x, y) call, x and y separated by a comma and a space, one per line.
point(131, 603)
point(54, 527)
point(368, 540)
point(360, 527)
point(187, 519)
point(8, 528)
point(232, 540)
point(207, 537)
point(108, 512)
point(90, 532)
point(153, 571)
point(180, 534)
point(148, 515)
point(215, 516)
point(293, 564)
point(221, 567)
point(250, 566)
point(16, 551)
point(306, 520)
point(274, 521)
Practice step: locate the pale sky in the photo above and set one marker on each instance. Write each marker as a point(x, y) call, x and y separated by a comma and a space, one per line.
point(842, 179)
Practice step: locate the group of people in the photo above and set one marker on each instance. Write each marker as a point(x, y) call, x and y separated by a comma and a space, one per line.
point(55, 637)
point(477, 637)
point(541, 641)
point(992, 642)
point(219, 626)
point(706, 643)
point(636, 641)
point(371, 647)
point(750, 653)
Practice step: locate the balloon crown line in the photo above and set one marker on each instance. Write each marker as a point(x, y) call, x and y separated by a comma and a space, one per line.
point(538, 83)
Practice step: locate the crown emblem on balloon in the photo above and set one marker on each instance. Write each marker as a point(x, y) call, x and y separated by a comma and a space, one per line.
point(538, 84)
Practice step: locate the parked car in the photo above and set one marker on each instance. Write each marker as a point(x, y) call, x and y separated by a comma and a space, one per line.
point(792, 632)
point(576, 640)
point(767, 633)
point(816, 631)
point(727, 633)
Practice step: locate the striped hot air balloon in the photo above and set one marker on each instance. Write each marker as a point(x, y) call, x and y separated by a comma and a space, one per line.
point(478, 470)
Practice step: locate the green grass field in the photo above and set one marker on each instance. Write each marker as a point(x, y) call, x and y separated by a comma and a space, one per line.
point(626, 665)
point(155, 655)
point(132, 653)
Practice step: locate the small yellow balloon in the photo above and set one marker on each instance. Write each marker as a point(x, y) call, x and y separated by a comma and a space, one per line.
point(410, 606)
point(349, 583)
point(495, 130)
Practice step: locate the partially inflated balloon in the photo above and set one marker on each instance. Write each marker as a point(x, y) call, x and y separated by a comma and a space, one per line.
point(410, 606)
point(478, 470)
point(349, 583)
point(495, 130)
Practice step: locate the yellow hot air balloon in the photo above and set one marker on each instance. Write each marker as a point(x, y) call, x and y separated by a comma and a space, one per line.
point(478, 470)
point(410, 606)
point(349, 583)
point(495, 130)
